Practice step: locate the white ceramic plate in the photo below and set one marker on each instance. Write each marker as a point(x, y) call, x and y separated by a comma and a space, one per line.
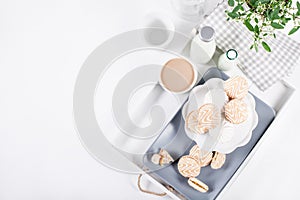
point(229, 136)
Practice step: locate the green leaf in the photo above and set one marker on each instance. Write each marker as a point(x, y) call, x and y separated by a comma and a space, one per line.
point(266, 46)
point(274, 14)
point(274, 35)
point(294, 30)
point(265, 1)
point(286, 20)
point(276, 25)
point(298, 5)
point(256, 20)
point(252, 2)
point(251, 47)
point(256, 30)
point(231, 3)
point(255, 47)
point(232, 15)
point(248, 25)
point(257, 2)
point(283, 21)
point(268, 15)
point(237, 8)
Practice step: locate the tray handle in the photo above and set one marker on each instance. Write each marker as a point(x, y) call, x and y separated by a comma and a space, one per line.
point(147, 191)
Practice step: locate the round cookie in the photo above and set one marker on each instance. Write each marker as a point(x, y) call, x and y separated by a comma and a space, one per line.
point(236, 111)
point(236, 87)
point(195, 152)
point(192, 122)
point(218, 160)
point(205, 158)
point(188, 166)
point(208, 118)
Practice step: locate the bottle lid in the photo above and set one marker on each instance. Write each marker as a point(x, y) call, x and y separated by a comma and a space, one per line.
point(207, 33)
point(232, 54)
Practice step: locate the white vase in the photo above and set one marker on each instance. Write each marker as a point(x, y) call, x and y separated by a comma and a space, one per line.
point(203, 45)
point(227, 60)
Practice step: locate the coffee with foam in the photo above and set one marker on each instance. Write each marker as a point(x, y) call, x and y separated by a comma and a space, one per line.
point(177, 75)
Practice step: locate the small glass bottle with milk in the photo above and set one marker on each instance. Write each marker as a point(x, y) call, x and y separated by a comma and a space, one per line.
point(227, 60)
point(203, 45)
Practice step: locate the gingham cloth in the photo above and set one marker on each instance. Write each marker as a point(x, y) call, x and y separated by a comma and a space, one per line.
point(262, 68)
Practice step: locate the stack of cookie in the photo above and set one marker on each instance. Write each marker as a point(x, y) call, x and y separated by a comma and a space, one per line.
point(190, 165)
point(236, 89)
point(208, 116)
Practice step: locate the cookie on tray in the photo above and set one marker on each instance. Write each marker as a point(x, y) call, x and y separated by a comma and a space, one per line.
point(205, 158)
point(188, 166)
point(218, 160)
point(195, 152)
point(198, 185)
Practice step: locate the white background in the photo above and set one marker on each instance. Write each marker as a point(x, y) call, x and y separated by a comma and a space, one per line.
point(42, 47)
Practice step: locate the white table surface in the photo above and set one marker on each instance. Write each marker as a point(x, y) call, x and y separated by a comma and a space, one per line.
point(42, 46)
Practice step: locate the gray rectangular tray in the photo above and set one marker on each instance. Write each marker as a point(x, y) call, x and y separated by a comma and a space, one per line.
point(175, 141)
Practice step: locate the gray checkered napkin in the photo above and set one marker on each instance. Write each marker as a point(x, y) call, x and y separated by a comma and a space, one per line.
point(262, 68)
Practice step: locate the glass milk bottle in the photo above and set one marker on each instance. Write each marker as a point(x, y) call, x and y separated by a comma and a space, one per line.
point(227, 60)
point(203, 45)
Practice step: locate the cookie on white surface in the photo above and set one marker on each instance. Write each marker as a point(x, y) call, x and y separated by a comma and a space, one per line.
point(236, 111)
point(236, 87)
